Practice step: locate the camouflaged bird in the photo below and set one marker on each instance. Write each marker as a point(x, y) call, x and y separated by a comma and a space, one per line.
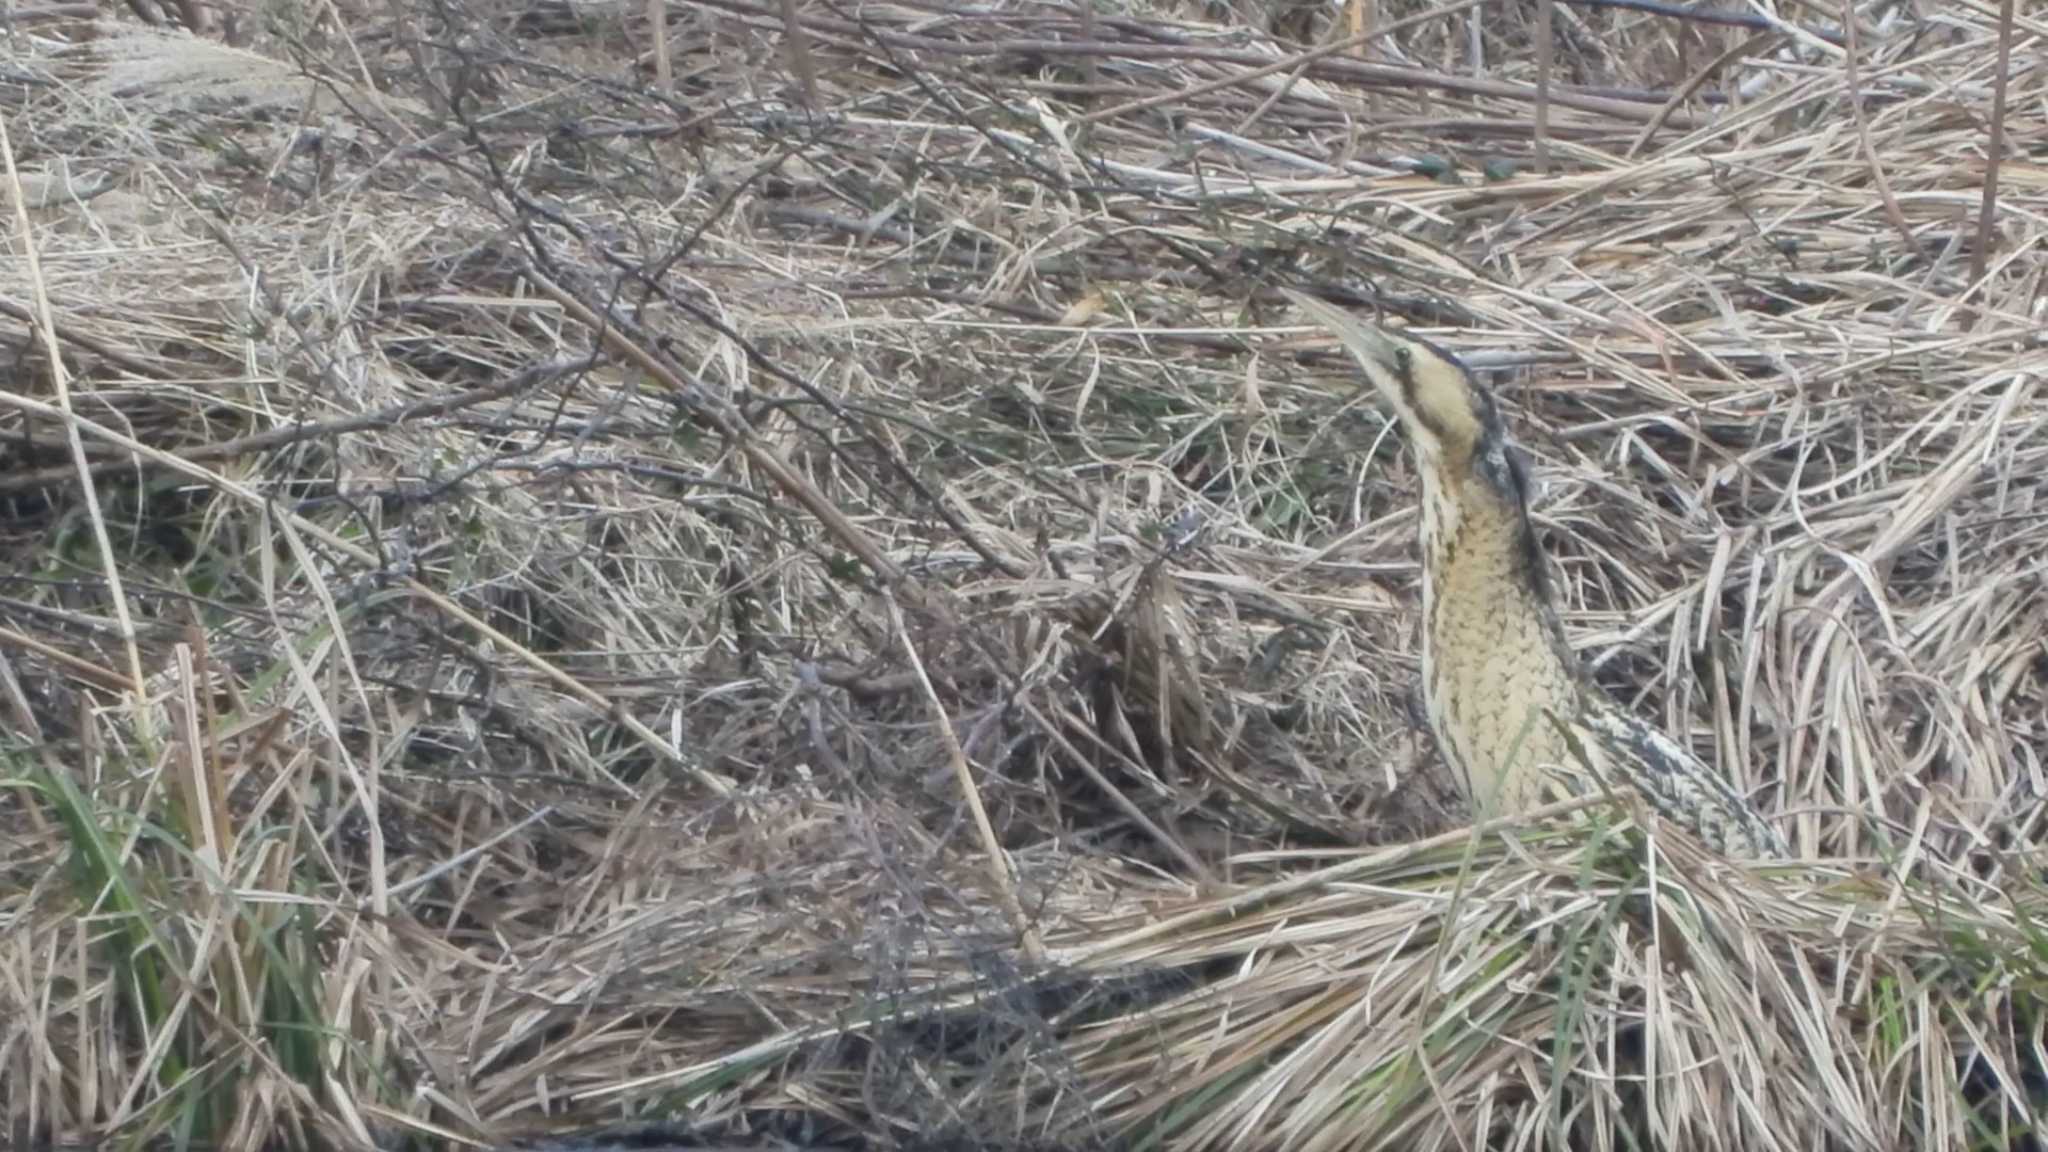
point(1514, 715)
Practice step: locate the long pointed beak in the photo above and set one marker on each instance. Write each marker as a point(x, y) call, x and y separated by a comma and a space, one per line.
point(1362, 340)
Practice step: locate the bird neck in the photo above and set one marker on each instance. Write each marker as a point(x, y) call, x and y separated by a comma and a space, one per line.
point(1479, 553)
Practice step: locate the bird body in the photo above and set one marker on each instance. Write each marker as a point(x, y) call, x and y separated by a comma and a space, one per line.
point(1493, 654)
point(1514, 714)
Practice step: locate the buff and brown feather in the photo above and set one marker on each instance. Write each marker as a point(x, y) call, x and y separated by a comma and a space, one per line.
point(1514, 714)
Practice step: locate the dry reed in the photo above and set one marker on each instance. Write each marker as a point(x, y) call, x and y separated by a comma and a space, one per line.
point(547, 505)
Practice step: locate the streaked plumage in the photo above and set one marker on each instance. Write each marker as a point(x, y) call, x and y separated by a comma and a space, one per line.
point(1514, 715)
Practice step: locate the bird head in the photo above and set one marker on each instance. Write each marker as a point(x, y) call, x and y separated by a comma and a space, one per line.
point(1449, 417)
point(1447, 414)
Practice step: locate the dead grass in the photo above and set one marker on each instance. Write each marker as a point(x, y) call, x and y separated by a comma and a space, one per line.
point(472, 672)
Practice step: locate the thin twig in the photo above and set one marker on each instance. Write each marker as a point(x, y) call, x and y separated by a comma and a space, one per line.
point(470, 853)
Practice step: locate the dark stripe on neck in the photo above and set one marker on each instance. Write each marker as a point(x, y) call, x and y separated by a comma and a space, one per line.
point(1500, 467)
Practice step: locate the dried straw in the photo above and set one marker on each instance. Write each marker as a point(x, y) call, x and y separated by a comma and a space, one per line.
point(507, 469)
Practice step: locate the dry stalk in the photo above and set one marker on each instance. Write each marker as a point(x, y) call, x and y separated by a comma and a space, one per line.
point(1987, 211)
point(1790, 475)
point(1296, 62)
point(105, 678)
point(664, 67)
point(1877, 177)
point(60, 382)
point(1001, 874)
point(800, 53)
point(299, 433)
point(1543, 68)
point(44, 13)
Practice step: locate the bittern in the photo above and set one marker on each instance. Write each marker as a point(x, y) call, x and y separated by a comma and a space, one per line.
point(1513, 711)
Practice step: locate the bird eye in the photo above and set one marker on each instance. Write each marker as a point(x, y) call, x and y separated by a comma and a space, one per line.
point(1402, 358)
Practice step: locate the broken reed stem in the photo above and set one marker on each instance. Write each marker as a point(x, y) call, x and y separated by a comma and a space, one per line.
point(208, 826)
point(999, 869)
point(199, 681)
point(1892, 213)
point(657, 26)
point(1475, 43)
point(1091, 72)
point(800, 53)
point(1987, 212)
point(1543, 65)
point(42, 13)
point(108, 679)
point(1299, 60)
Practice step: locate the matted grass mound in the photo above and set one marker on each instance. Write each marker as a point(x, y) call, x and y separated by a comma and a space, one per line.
point(807, 585)
point(1580, 987)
